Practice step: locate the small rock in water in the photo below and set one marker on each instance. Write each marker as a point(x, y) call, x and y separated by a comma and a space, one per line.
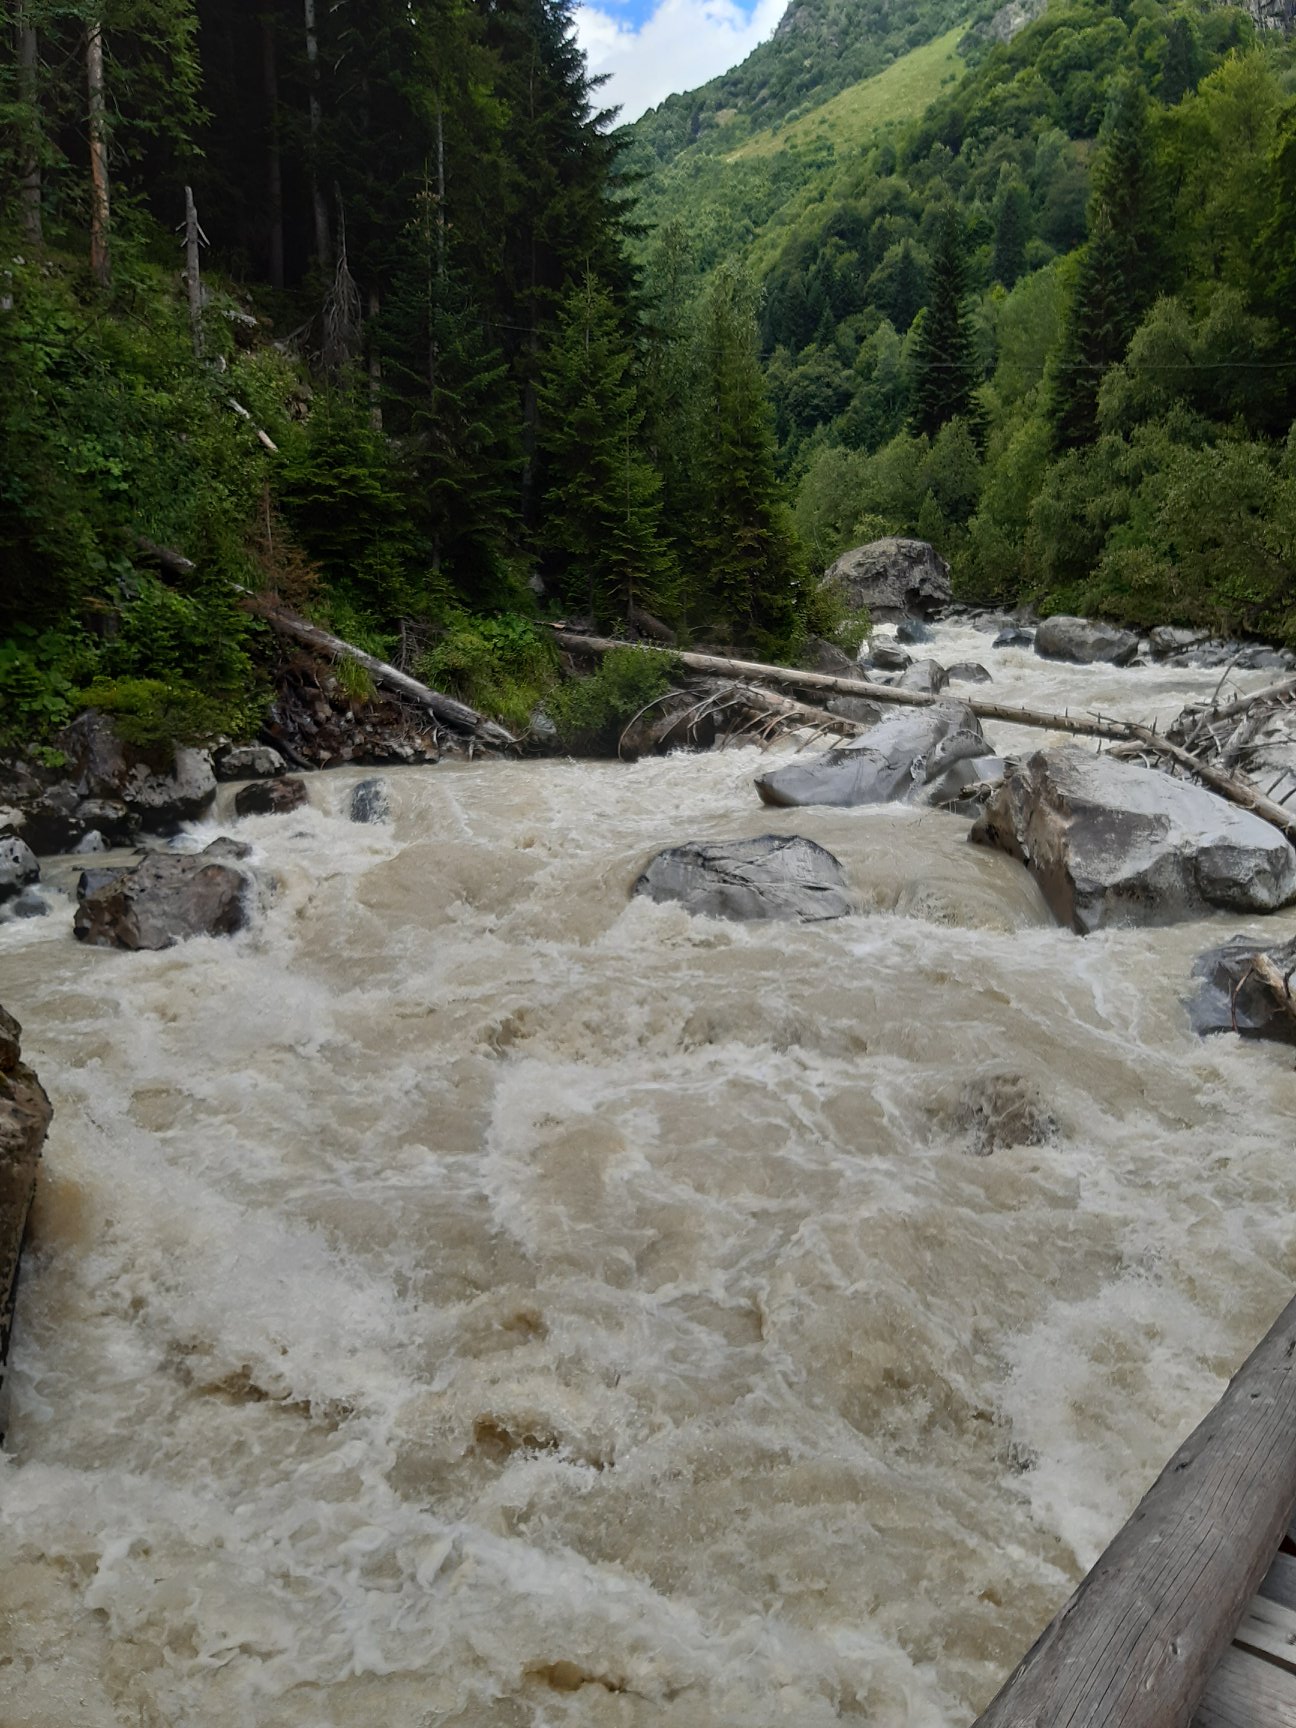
point(775, 876)
point(1001, 1111)
point(29, 904)
point(1086, 640)
point(1014, 638)
point(18, 867)
point(370, 802)
point(90, 843)
point(1232, 996)
point(912, 630)
point(888, 658)
point(928, 676)
point(967, 672)
point(271, 797)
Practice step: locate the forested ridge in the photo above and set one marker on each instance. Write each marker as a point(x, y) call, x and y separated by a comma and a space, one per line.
point(465, 354)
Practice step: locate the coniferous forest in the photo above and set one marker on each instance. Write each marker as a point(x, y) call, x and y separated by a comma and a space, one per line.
point(465, 354)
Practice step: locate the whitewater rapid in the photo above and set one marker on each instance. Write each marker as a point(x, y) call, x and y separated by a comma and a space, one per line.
point(474, 1298)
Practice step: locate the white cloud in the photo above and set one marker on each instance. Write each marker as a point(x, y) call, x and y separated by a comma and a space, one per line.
point(682, 45)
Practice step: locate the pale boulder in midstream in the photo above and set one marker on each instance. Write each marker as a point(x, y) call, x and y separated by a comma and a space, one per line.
point(903, 758)
point(1112, 843)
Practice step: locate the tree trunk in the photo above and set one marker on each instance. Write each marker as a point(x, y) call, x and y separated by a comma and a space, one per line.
point(274, 154)
point(323, 239)
point(375, 364)
point(29, 92)
point(100, 200)
point(193, 271)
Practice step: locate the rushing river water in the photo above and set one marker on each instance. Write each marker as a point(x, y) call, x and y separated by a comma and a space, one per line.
point(473, 1298)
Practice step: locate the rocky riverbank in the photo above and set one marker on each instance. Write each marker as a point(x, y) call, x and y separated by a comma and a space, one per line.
point(24, 1119)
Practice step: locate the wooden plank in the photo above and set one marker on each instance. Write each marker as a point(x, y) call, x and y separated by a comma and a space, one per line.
point(1137, 1643)
point(1247, 1692)
point(1268, 1629)
point(1280, 1581)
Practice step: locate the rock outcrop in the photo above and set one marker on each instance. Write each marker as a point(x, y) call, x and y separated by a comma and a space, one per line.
point(249, 762)
point(166, 899)
point(1235, 994)
point(18, 868)
point(1086, 641)
point(892, 578)
point(900, 759)
point(1112, 843)
point(24, 1119)
point(775, 876)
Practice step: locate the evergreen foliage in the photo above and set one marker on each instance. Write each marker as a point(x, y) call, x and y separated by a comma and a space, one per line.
point(945, 372)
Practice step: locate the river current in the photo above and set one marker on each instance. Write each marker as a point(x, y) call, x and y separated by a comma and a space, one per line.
point(474, 1298)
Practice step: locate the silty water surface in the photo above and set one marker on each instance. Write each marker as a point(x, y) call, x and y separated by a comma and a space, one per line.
point(472, 1297)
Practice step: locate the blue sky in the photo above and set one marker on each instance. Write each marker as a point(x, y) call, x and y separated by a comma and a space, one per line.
point(650, 48)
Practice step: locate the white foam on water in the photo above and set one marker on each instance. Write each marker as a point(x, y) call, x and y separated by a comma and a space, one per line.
point(473, 1296)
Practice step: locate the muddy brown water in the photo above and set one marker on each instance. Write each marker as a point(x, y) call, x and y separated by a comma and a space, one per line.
point(473, 1298)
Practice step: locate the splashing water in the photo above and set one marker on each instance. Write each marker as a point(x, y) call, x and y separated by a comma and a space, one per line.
point(472, 1297)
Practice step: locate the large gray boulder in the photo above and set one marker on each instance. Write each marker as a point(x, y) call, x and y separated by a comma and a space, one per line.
point(166, 899)
point(1232, 996)
point(249, 762)
point(24, 1119)
point(158, 789)
point(276, 797)
point(775, 876)
point(892, 578)
point(900, 759)
point(1112, 843)
point(928, 677)
point(1086, 641)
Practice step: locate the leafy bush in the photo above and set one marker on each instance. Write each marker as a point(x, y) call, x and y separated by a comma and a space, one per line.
point(502, 665)
point(590, 713)
point(154, 713)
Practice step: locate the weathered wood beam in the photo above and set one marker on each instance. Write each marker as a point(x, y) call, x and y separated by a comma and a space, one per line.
point(446, 708)
point(1139, 1640)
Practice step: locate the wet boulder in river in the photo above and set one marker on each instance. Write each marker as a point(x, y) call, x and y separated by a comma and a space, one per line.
point(18, 867)
point(897, 760)
point(967, 672)
point(857, 708)
point(823, 656)
point(160, 788)
point(776, 876)
point(271, 797)
point(892, 578)
point(166, 899)
point(886, 657)
point(249, 762)
point(1085, 640)
point(927, 676)
point(370, 802)
point(1244, 987)
point(24, 1119)
point(1112, 843)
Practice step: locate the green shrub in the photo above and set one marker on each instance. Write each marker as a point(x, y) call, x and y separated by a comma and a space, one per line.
point(502, 665)
point(153, 713)
point(590, 713)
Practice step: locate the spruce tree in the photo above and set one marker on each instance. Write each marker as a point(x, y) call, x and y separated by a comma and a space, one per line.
point(744, 545)
point(945, 371)
point(1118, 272)
point(1012, 228)
point(601, 525)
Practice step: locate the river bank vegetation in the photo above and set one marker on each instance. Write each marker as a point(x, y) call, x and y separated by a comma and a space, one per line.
point(465, 355)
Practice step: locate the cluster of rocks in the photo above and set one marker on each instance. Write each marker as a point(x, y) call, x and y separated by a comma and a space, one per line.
point(316, 723)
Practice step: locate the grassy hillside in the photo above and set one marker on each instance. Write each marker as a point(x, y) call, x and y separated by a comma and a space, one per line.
point(851, 119)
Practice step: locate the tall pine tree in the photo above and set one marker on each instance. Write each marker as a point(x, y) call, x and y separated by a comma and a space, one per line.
point(945, 371)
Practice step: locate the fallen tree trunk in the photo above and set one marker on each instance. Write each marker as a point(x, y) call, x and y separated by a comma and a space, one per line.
point(445, 708)
point(1138, 1641)
point(1116, 731)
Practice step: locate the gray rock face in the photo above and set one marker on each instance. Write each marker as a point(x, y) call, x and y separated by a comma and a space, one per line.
point(912, 630)
point(1111, 843)
point(1232, 997)
point(928, 676)
point(897, 761)
point(18, 867)
point(892, 578)
point(271, 797)
point(24, 1118)
point(1085, 640)
point(775, 876)
point(370, 803)
point(1171, 639)
point(249, 762)
point(164, 900)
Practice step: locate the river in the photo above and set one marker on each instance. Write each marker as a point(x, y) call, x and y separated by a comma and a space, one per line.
point(473, 1298)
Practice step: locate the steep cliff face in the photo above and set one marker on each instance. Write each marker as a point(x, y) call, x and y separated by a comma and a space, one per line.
point(24, 1118)
point(1273, 14)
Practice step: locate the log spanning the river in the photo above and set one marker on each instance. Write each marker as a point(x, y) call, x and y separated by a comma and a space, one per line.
point(453, 713)
point(1087, 726)
point(1145, 1640)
